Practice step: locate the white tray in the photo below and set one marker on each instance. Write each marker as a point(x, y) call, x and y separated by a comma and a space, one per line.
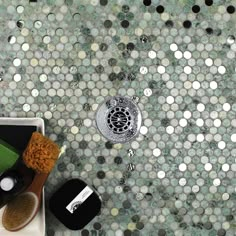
point(37, 226)
point(38, 122)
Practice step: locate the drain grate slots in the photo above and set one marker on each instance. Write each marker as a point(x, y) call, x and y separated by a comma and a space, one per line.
point(118, 119)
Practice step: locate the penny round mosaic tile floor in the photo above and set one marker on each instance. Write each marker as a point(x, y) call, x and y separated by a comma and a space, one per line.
point(60, 59)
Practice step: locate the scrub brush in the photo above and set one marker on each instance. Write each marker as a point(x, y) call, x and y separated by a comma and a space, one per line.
point(41, 155)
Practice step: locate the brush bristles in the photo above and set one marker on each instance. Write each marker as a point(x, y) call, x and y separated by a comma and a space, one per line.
point(41, 153)
point(20, 211)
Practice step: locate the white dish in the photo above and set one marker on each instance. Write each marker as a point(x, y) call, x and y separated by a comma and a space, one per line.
point(38, 122)
point(37, 226)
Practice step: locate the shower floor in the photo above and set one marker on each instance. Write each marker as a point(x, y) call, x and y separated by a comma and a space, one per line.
point(60, 60)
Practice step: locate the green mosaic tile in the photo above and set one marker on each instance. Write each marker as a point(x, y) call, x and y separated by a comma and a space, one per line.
point(60, 59)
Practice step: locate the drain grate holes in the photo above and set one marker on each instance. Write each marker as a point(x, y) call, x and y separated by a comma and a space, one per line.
point(119, 120)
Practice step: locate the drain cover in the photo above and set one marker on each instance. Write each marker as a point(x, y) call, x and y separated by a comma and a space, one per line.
point(119, 119)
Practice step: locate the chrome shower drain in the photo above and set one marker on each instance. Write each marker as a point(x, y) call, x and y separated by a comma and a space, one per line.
point(119, 119)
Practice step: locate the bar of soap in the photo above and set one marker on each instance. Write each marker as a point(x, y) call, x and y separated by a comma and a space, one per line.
point(8, 156)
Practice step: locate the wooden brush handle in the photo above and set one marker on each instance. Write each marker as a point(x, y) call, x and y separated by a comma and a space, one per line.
point(37, 183)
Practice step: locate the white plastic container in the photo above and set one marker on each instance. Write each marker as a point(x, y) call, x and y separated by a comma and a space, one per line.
point(37, 226)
